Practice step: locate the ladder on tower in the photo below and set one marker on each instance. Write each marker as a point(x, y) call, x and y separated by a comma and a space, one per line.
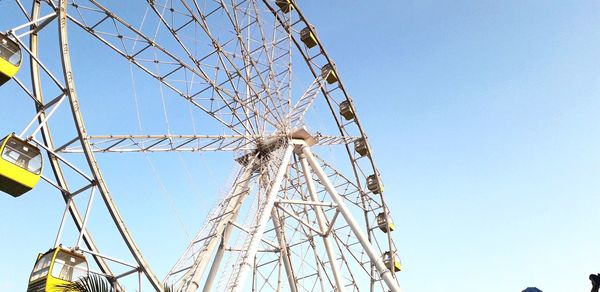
point(211, 232)
point(276, 163)
point(234, 276)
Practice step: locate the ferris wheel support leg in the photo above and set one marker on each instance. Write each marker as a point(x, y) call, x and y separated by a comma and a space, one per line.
point(362, 238)
point(214, 268)
point(227, 232)
point(322, 224)
point(239, 193)
point(257, 234)
point(283, 247)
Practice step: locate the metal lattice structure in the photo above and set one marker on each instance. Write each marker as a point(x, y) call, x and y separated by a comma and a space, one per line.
point(291, 220)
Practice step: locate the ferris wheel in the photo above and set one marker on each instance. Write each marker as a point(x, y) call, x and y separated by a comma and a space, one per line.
point(304, 207)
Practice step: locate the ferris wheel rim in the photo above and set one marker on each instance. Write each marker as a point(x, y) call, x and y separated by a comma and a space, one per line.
point(48, 145)
point(48, 141)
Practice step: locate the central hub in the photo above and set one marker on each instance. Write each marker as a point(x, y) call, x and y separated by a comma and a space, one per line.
point(265, 146)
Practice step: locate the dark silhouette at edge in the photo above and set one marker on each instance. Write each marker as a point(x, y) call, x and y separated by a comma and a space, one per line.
point(532, 289)
point(595, 278)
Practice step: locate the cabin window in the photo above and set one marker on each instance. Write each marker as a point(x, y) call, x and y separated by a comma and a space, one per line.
point(23, 155)
point(68, 267)
point(10, 51)
point(41, 267)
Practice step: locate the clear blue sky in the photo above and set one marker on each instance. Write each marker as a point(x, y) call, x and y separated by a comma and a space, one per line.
point(484, 119)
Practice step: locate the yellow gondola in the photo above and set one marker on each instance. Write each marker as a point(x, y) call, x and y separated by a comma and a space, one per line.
point(346, 110)
point(388, 257)
point(58, 266)
point(307, 37)
point(374, 185)
point(10, 58)
point(385, 223)
point(360, 146)
point(20, 166)
point(328, 73)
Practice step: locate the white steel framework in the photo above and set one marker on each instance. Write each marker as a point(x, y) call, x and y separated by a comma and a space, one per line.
point(290, 220)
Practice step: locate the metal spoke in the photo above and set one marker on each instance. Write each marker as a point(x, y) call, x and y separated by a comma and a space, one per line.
point(185, 143)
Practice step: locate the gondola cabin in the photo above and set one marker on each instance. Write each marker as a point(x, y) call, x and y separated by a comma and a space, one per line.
point(20, 165)
point(346, 110)
point(391, 261)
point(58, 266)
point(285, 5)
point(10, 58)
point(374, 185)
point(307, 37)
point(328, 73)
point(360, 146)
point(385, 223)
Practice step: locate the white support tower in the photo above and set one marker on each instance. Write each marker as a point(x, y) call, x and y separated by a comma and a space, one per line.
point(276, 205)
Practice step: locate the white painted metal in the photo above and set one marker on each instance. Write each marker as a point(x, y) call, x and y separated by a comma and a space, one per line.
point(62, 224)
point(384, 272)
point(188, 143)
point(246, 266)
point(220, 231)
point(91, 160)
point(216, 264)
point(258, 116)
point(283, 250)
point(296, 115)
point(322, 221)
point(88, 210)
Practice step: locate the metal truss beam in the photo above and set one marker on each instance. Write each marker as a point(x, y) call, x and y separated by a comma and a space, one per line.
point(186, 143)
